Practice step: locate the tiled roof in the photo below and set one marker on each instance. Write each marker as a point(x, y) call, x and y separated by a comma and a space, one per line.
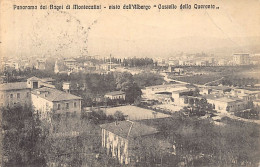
point(51, 94)
point(130, 129)
point(14, 86)
point(115, 93)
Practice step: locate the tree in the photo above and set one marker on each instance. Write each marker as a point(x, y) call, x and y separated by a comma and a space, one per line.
point(22, 138)
point(119, 116)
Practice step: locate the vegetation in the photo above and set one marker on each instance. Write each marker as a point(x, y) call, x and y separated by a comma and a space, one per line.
point(198, 107)
point(148, 79)
point(201, 143)
point(197, 79)
point(249, 114)
point(22, 137)
point(238, 81)
point(137, 62)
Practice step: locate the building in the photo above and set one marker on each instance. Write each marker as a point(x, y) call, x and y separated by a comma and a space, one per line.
point(226, 103)
point(70, 63)
point(119, 138)
point(14, 93)
point(246, 94)
point(241, 59)
point(35, 83)
point(215, 89)
point(176, 70)
point(12, 63)
point(46, 100)
point(41, 64)
point(56, 68)
point(180, 96)
point(115, 95)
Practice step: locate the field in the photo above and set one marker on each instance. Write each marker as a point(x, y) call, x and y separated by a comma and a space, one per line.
point(135, 113)
point(198, 79)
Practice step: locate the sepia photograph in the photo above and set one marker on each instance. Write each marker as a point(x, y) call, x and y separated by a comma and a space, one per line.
point(129, 83)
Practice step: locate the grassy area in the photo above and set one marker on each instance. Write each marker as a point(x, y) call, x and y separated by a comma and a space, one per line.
point(198, 79)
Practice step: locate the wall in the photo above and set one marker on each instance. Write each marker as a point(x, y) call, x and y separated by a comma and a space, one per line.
point(43, 106)
point(71, 106)
point(115, 146)
point(116, 96)
point(25, 97)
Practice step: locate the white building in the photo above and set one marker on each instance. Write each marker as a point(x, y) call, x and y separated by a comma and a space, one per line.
point(115, 95)
point(226, 103)
point(47, 101)
point(241, 59)
point(118, 138)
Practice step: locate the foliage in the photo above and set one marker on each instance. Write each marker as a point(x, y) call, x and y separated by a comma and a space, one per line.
point(137, 62)
point(22, 137)
point(198, 107)
point(98, 116)
point(238, 81)
point(148, 79)
point(205, 144)
point(249, 114)
point(70, 139)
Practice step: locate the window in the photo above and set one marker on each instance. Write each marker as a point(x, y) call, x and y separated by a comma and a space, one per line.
point(27, 95)
point(11, 96)
point(18, 95)
point(75, 104)
point(67, 105)
point(58, 107)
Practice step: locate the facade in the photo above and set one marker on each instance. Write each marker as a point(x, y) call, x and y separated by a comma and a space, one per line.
point(56, 68)
point(115, 95)
point(14, 64)
point(70, 63)
point(241, 59)
point(35, 83)
point(118, 138)
point(46, 100)
point(180, 96)
point(248, 95)
point(41, 64)
point(15, 93)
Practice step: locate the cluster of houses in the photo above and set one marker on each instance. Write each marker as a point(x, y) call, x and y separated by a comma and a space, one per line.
point(41, 95)
point(221, 97)
point(72, 65)
point(118, 138)
point(238, 59)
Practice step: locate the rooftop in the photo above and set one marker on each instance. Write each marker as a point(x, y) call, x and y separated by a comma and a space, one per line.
point(51, 94)
point(130, 129)
point(14, 86)
point(222, 98)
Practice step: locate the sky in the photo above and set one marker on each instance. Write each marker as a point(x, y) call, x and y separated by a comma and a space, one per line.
point(128, 33)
